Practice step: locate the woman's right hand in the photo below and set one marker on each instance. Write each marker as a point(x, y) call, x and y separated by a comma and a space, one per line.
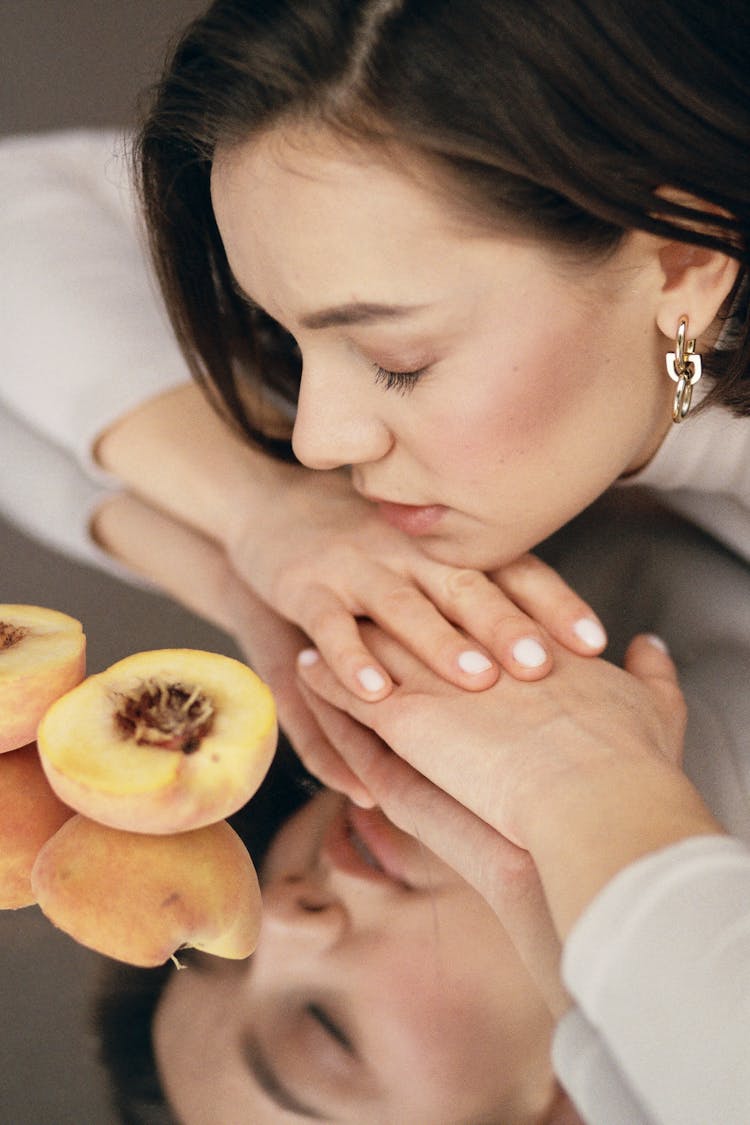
point(324, 559)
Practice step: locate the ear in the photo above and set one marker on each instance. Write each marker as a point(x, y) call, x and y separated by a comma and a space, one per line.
point(696, 280)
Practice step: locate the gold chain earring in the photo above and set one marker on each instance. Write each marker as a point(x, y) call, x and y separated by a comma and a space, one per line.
point(685, 367)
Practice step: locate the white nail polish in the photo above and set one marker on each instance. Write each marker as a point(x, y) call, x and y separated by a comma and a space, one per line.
point(657, 642)
point(473, 662)
point(370, 679)
point(590, 632)
point(308, 657)
point(529, 653)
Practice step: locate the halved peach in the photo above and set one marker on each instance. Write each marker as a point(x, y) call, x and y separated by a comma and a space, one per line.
point(42, 655)
point(161, 742)
point(30, 814)
point(140, 898)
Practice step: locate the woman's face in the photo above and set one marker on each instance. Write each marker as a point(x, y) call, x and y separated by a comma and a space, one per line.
point(383, 989)
point(492, 387)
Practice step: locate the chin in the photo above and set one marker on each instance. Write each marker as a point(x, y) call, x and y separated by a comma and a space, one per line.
point(470, 553)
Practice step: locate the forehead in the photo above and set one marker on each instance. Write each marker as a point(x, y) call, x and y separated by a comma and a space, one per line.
point(319, 164)
point(307, 216)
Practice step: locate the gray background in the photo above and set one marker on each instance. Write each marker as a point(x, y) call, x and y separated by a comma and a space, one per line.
point(65, 63)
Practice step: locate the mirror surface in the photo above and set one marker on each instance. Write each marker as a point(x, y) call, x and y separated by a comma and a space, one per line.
point(83, 62)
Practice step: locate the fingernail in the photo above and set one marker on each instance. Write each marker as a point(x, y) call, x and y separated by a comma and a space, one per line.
point(361, 799)
point(473, 662)
point(657, 642)
point(590, 632)
point(371, 679)
point(529, 653)
point(307, 657)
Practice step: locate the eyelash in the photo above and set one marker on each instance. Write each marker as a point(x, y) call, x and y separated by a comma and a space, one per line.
point(402, 381)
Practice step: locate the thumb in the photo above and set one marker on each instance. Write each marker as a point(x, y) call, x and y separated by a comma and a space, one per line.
point(647, 658)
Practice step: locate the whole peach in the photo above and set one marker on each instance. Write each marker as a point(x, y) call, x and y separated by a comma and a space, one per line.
point(139, 898)
point(30, 813)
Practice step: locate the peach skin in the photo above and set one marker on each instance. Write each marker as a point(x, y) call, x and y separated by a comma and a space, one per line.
point(30, 814)
point(42, 656)
point(161, 742)
point(139, 898)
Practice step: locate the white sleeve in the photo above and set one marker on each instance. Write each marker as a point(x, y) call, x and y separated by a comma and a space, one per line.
point(50, 498)
point(84, 336)
point(590, 1076)
point(659, 965)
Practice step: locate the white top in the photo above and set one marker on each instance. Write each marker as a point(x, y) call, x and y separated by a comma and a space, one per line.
point(83, 336)
point(659, 965)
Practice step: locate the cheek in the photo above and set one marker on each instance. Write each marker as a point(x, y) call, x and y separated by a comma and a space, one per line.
point(514, 404)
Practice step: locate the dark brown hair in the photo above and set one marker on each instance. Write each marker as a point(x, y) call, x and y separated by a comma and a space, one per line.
point(562, 117)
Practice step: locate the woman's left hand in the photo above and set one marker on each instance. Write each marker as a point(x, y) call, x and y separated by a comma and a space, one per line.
point(578, 768)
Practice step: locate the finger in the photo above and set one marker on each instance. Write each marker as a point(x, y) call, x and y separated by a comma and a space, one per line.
point(320, 757)
point(330, 624)
point(428, 630)
point(540, 591)
point(483, 611)
point(647, 657)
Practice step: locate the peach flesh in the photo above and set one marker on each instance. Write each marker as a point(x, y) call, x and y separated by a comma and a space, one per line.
point(139, 898)
point(30, 814)
point(161, 742)
point(42, 656)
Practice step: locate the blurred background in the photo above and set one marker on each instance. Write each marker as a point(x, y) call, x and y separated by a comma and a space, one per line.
point(65, 63)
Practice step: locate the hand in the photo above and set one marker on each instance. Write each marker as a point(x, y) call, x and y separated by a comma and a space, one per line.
point(486, 749)
point(577, 768)
point(325, 559)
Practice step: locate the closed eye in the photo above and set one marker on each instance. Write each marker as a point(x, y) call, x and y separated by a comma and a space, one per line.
point(403, 381)
point(321, 1016)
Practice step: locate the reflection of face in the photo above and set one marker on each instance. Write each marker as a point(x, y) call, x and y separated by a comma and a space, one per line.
point(542, 380)
point(385, 994)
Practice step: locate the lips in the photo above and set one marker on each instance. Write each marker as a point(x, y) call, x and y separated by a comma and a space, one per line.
point(362, 843)
point(413, 519)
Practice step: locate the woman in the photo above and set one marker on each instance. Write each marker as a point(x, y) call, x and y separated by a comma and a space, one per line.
point(479, 230)
point(536, 235)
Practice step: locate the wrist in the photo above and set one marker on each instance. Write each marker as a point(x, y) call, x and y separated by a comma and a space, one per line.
point(590, 824)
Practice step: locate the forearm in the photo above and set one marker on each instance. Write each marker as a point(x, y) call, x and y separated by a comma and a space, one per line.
point(176, 453)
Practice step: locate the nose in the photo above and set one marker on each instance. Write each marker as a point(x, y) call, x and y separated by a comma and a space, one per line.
point(296, 909)
point(337, 422)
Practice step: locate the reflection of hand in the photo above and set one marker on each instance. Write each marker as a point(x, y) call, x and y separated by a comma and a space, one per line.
point(502, 873)
point(578, 768)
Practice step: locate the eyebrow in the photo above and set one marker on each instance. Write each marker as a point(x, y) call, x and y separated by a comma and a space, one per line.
point(271, 1084)
point(336, 316)
point(358, 312)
